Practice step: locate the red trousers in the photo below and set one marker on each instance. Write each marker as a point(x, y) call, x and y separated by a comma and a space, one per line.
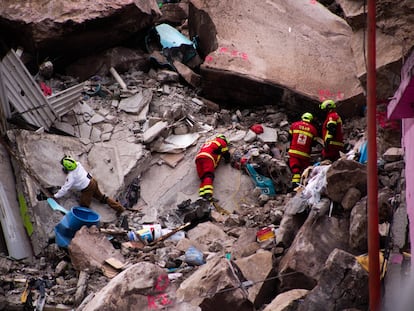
point(297, 166)
point(332, 153)
point(205, 170)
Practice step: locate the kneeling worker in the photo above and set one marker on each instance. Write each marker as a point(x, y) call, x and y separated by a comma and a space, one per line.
point(79, 179)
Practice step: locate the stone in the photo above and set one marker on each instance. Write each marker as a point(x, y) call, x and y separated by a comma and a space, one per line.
point(358, 223)
point(97, 118)
point(155, 130)
point(206, 233)
point(201, 288)
point(246, 244)
point(316, 239)
point(292, 59)
point(141, 286)
point(343, 284)
point(189, 75)
point(136, 103)
point(89, 249)
point(287, 301)
point(47, 27)
point(352, 196)
point(256, 268)
point(344, 174)
point(393, 154)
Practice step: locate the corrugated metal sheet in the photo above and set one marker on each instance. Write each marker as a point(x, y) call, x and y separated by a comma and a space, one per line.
point(4, 105)
point(64, 101)
point(24, 94)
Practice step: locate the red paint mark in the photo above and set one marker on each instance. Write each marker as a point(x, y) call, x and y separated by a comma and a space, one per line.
point(326, 94)
point(384, 123)
point(340, 95)
point(244, 56)
point(313, 1)
point(164, 299)
point(233, 53)
point(157, 301)
point(209, 58)
point(163, 279)
point(151, 303)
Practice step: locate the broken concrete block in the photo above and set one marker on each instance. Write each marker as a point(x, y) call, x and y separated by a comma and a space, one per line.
point(154, 131)
point(269, 135)
point(137, 102)
point(97, 118)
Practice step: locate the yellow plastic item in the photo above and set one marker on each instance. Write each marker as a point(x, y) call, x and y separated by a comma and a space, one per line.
point(364, 262)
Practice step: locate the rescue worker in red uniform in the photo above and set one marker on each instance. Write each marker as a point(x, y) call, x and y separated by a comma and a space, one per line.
point(303, 134)
point(207, 159)
point(332, 133)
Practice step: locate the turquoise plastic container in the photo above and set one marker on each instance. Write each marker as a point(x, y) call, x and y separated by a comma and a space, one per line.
point(74, 220)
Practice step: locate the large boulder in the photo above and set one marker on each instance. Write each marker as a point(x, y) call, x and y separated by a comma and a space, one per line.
point(316, 239)
point(73, 27)
point(343, 285)
point(245, 64)
point(343, 175)
point(143, 286)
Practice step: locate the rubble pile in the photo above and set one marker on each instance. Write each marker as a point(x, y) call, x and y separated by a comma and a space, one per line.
point(137, 124)
point(266, 247)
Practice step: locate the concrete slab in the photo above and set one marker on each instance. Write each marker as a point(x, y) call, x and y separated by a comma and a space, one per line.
point(163, 187)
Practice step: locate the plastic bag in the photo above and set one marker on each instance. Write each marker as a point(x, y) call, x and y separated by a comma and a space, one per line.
point(194, 257)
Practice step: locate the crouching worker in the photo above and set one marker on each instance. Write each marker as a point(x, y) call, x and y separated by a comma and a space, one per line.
point(79, 179)
point(207, 159)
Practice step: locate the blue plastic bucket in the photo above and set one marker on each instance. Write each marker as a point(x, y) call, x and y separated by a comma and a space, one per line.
point(82, 216)
point(74, 220)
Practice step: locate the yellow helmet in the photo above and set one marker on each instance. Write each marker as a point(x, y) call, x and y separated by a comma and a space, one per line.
point(68, 163)
point(307, 117)
point(327, 104)
point(223, 138)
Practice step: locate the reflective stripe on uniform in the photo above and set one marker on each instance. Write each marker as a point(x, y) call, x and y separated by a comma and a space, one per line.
point(304, 154)
point(303, 132)
point(336, 143)
point(296, 178)
point(209, 156)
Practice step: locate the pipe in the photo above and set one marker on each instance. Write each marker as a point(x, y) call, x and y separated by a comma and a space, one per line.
point(372, 182)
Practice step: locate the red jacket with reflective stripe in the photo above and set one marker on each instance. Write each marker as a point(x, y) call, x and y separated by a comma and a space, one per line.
point(303, 134)
point(213, 150)
point(333, 118)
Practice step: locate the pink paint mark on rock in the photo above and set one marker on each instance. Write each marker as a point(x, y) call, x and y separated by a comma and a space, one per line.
point(397, 259)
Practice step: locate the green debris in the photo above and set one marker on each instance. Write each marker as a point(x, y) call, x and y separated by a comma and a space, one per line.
point(24, 213)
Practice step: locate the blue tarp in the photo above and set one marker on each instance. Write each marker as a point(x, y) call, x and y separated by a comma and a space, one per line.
point(171, 37)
